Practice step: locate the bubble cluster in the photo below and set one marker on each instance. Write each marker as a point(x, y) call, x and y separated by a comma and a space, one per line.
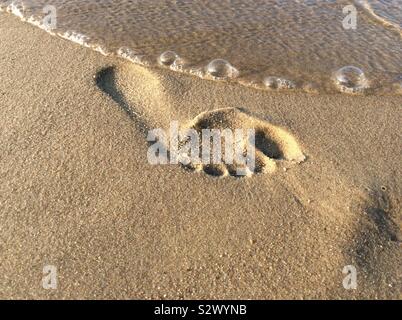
point(279, 83)
point(221, 69)
point(168, 58)
point(350, 79)
point(133, 56)
point(16, 8)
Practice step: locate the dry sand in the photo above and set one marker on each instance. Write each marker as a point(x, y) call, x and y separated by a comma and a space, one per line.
point(78, 192)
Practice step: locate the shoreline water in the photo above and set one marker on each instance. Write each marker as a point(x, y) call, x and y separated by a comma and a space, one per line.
point(300, 72)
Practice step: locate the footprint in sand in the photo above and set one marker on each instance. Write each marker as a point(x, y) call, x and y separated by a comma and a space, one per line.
point(379, 211)
point(274, 147)
point(376, 247)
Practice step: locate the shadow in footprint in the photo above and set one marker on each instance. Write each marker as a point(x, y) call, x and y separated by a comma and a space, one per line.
point(267, 146)
point(379, 212)
point(106, 80)
point(378, 233)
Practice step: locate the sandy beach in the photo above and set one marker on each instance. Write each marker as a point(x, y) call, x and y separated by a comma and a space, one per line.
point(78, 192)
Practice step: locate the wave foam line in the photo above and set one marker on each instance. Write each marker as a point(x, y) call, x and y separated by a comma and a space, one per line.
point(366, 6)
point(18, 8)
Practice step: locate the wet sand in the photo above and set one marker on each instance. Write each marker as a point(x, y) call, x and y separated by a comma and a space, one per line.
point(77, 191)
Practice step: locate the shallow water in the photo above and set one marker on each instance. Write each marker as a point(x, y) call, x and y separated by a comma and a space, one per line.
point(298, 42)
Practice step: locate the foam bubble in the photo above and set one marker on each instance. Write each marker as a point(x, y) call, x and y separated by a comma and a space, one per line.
point(37, 23)
point(16, 8)
point(168, 58)
point(76, 37)
point(350, 79)
point(101, 49)
point(286, 84)
point(279, 83)
point(132, 56)
point(197, 71)
point(221, 69)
